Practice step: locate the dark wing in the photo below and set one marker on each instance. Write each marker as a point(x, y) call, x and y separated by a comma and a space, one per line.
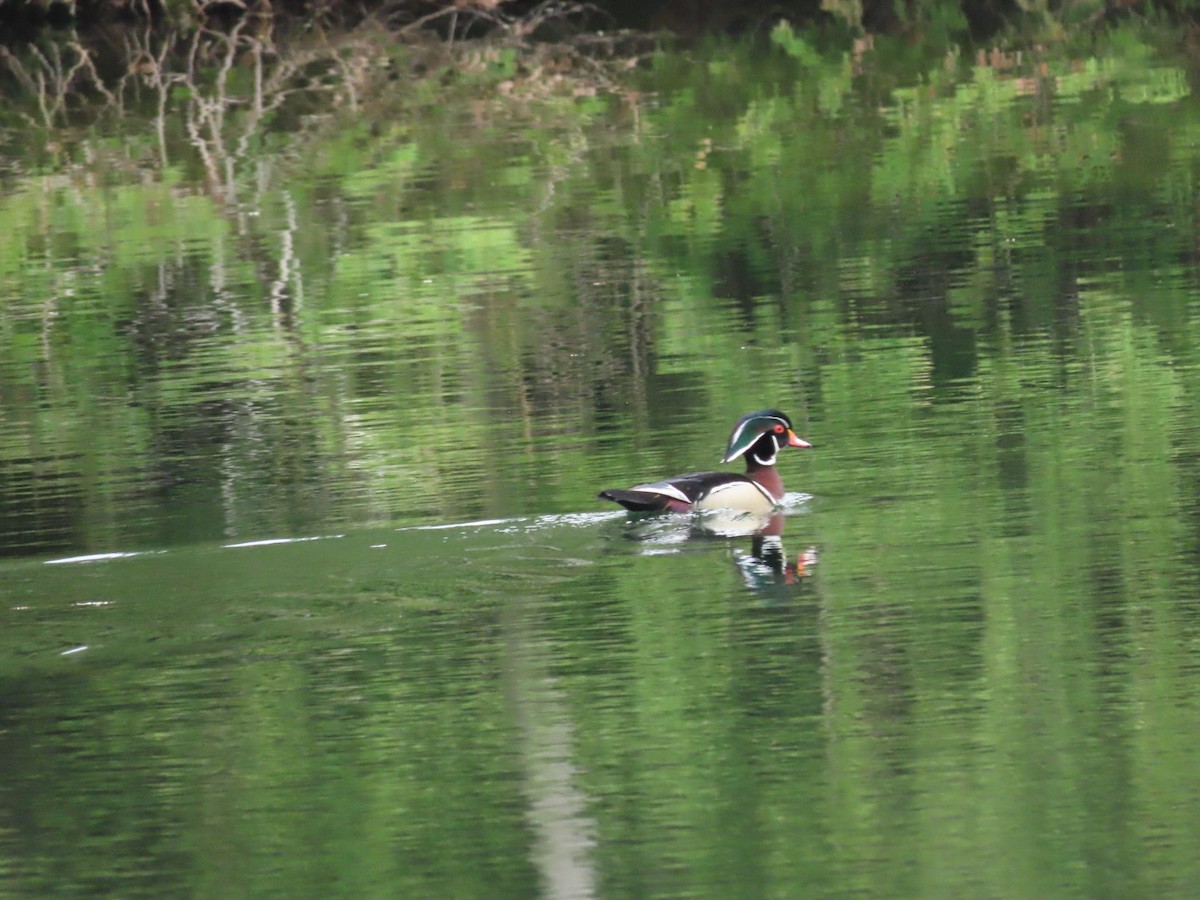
point(676, 494)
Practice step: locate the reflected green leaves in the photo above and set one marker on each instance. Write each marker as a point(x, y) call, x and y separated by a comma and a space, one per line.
point(970, 281)
point(417, 260)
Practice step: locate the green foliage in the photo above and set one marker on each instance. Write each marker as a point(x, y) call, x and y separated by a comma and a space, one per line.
point(972, 283)
point(934, 21)
point(784, 36)
point(812, 174)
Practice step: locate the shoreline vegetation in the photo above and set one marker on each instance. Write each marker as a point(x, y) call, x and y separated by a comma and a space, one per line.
point(68, 65)
point(225, 86)
point(66, 68)
point(54, 46)
point(454, 20)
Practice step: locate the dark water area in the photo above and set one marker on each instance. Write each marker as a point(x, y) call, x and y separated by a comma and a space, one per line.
point(304, 586)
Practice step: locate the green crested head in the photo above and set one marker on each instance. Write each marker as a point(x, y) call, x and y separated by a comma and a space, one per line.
point(766, 431)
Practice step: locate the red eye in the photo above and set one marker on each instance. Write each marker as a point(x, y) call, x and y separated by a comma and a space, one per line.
point(779, 429)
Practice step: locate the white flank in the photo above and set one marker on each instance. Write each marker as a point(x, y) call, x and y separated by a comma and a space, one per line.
point(744, 495)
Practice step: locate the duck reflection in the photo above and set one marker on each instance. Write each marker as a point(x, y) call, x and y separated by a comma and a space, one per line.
point(768, 565)
point(757, 546)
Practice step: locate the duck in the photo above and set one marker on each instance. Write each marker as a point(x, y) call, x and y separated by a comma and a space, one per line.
point(757, 436)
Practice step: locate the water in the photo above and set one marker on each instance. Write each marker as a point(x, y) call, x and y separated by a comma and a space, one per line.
point(307, 592)
point(411, 711)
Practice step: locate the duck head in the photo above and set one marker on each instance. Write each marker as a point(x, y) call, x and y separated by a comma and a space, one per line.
point(759, 436)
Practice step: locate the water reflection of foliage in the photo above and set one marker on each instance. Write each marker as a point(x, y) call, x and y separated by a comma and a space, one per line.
point(721, 234)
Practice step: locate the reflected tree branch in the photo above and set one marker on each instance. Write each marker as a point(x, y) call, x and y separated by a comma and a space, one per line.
point(287, 262)
point(53, 82)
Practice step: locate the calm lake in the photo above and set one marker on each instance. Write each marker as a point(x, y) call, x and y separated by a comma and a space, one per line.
point(306, 396)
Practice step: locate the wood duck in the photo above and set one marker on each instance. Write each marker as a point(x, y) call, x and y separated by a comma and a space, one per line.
point(758, 436)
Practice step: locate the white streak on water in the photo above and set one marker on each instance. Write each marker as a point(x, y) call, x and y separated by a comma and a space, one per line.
point(269, 541)
point(457, 525)
point(91, 557)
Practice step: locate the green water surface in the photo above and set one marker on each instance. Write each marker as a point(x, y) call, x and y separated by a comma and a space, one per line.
point(305, 589)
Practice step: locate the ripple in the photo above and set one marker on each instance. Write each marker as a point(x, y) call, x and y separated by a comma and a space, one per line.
point(94, 557)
